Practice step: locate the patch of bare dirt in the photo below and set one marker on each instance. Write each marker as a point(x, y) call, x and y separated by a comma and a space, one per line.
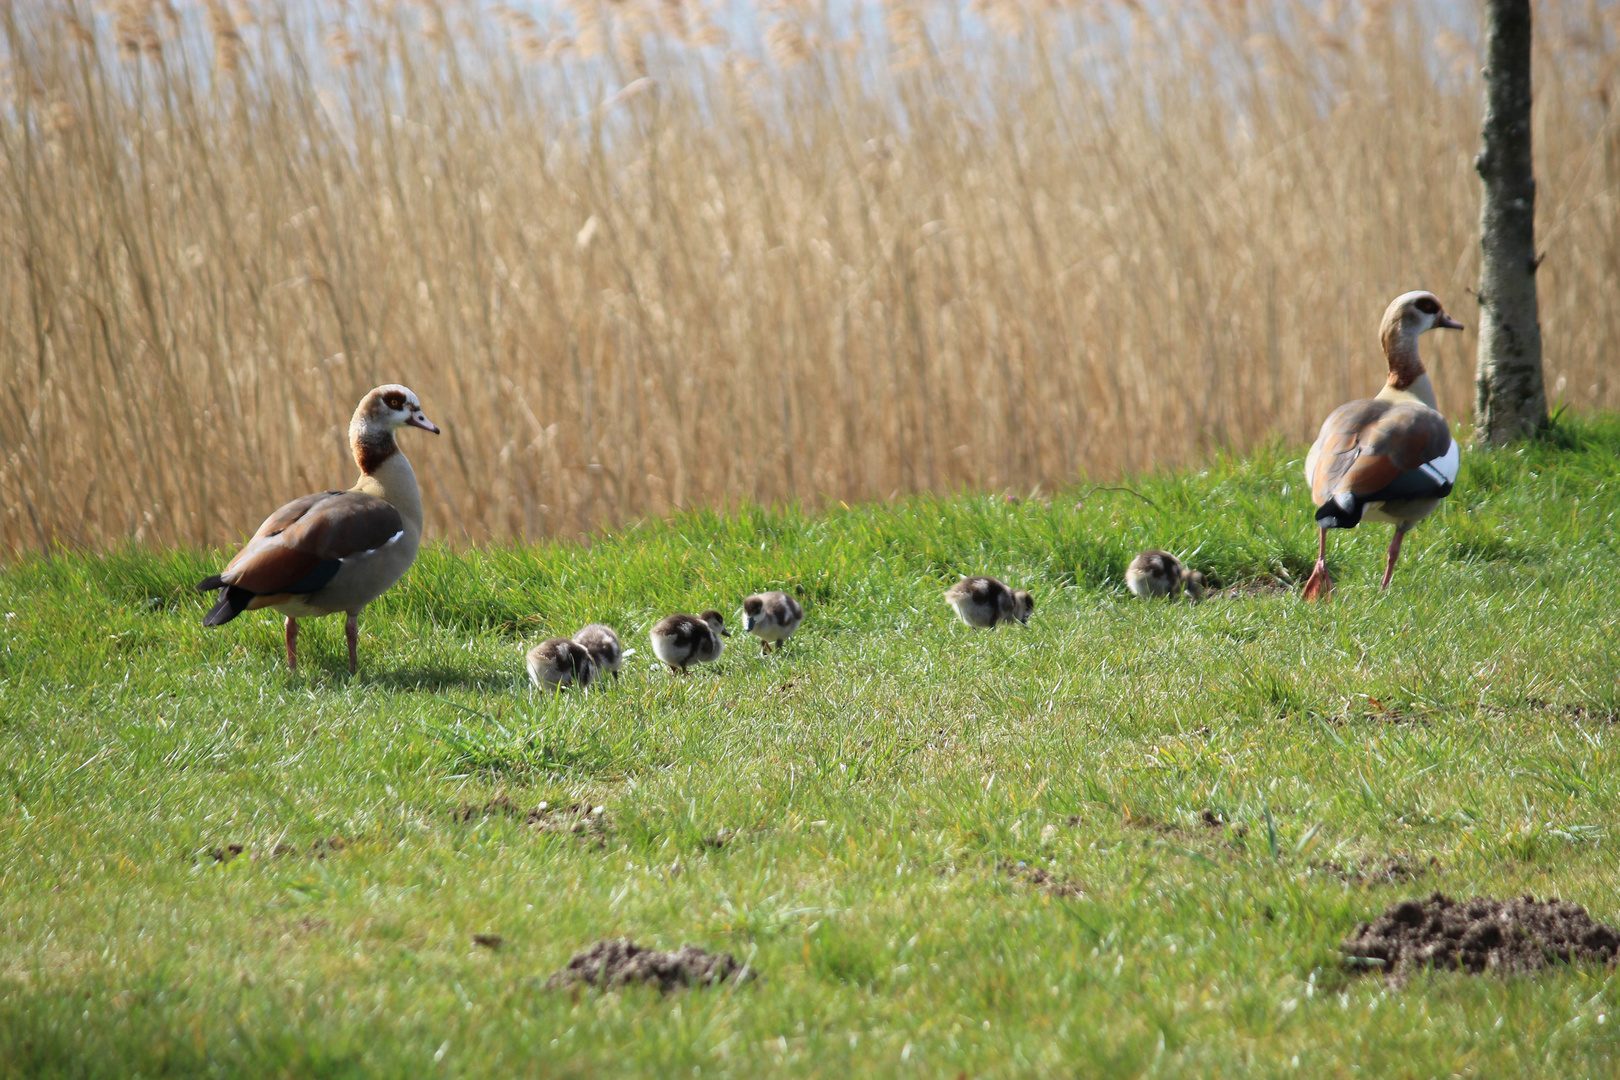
point(1518, 936)
point(621, 962)
point(487, 941)
point(1042, 879)
point(1392, 871)
point(1577, 714)
point(1207, 819)
point(1245, 590)
point(318, 850)
point(578, 818)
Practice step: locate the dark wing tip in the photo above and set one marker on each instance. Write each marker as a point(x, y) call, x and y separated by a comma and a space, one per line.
point(210, 583)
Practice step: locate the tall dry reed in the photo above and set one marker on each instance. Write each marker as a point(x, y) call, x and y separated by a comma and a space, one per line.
point(634, 257)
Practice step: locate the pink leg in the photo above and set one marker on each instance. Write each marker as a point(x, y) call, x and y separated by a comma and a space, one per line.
point(1319, 586)
point(1394, 553)
point(292, 643)
point(351, 630)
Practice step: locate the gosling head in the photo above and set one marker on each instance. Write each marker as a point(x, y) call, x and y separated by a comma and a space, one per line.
point(1193, 582)
point(1023, 605)
point(716, 622)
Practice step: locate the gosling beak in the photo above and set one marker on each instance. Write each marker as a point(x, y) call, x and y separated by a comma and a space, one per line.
point(725, 633)
point(1446, 322)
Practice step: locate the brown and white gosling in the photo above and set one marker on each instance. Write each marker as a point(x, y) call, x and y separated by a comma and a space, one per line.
point(602, 642)
point(1159, 573)
point(681, 640)
point(771, 617)
point(985, 602)
point(335, 550)
point(559, 663)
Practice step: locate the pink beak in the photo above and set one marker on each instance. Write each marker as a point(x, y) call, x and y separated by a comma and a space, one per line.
point(1446, 322)
point(418, 420)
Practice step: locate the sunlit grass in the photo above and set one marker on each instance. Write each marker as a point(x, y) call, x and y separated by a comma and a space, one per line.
point(848, 815)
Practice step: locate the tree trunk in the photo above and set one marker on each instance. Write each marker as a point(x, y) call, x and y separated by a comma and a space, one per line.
point(1510, 398)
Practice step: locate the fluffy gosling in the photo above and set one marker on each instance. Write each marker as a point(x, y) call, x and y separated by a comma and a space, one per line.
point(1159, 573)
point(771, 617)
point(561, 663)
point(984, 601)
point(602, 642)
point(681, 640)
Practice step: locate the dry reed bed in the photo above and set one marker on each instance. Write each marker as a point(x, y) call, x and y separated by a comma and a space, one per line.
point(631, 265)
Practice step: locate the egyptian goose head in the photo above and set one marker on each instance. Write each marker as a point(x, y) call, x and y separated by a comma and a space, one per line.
point(772, 617)
point(1386, 458)
point(985, 602)
point(560, 663)
point(602, 642)
point(681, 640)
point(1408, 317)
point(335, 550)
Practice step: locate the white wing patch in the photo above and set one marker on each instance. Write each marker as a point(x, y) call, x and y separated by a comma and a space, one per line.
point(386, 543)
point(1444, 467)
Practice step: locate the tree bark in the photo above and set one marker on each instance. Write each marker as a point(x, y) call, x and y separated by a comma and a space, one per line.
point(1510, 396)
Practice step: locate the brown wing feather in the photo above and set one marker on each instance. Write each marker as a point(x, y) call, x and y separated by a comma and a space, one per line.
point(306, 532)
point(290, 513)
point(343, 525)
point(1365, 445)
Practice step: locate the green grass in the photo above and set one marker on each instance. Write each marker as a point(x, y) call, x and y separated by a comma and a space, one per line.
point(879, 778)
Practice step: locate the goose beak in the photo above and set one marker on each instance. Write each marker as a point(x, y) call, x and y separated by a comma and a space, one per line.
point(418, 420)
point(1446, 322)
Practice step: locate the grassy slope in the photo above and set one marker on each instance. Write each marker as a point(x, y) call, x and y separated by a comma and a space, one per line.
point(879, 776)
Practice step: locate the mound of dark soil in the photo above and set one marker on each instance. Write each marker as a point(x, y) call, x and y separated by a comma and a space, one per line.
point(620, 962)
point(1482, 934)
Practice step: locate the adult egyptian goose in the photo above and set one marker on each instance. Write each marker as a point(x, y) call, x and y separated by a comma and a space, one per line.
point(682, 640)
point(335, 550)
point(771, 617)
point(560, 663)
point(1387, 458)
point(602, 642)
point(984, 602)
point(1159, 573)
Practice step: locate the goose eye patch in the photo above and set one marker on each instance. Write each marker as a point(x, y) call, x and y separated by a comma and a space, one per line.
point(1427, 305)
